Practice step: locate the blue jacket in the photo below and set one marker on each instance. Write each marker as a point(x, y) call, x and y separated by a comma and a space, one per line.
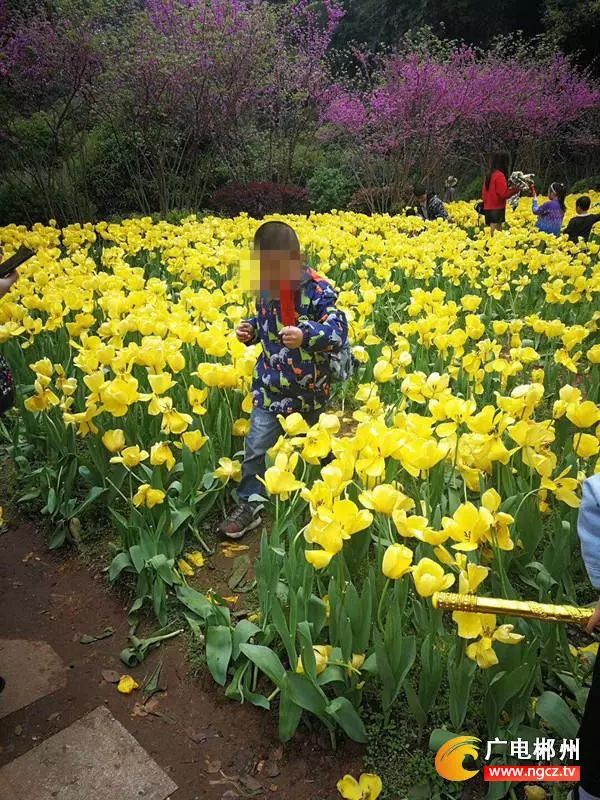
point(298, 379)
point(588, 528)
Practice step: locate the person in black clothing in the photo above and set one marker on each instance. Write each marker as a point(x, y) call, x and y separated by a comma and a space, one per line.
point(429, 205)
point(580, 226)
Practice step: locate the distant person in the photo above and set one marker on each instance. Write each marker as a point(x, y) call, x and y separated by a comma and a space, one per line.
point(428, 204)
point(550, 215)
point(496, 190)
point(580, 226)
point(450, 189)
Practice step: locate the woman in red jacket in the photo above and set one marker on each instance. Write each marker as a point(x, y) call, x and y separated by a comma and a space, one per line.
point(496, 191)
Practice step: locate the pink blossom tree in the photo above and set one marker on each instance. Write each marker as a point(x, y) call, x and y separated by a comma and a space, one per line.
point(423, 113)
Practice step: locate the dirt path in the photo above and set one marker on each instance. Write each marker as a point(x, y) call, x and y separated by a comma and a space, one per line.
point(200, 735)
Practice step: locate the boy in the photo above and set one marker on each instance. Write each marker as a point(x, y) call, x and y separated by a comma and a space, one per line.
point(588, 528)
point(581, 225)
point(429, 205)
point(299, 327)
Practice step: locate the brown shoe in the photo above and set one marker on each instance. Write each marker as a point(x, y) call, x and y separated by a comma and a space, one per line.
point(243, 518)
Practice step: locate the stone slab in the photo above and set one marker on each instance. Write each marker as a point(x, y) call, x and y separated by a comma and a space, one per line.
point(95, 758)
point(32, 670)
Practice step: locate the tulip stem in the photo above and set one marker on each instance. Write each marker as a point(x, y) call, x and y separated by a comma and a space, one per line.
point(533, 491)
point(202, 542)
point(380, 606)
point(273, 694)
point(126, 499)
point(344, 664)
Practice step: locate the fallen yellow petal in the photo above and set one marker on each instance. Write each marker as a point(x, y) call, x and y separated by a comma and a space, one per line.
point(195, 558)
point(231, 550)
point(127, 684)
point(184, 567)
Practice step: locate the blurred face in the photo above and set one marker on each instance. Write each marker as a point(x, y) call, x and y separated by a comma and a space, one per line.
point(552, 195)
point(421, 198)
point(270, 267)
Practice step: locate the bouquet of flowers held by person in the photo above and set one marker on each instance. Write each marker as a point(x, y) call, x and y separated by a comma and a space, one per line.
point(524, 182)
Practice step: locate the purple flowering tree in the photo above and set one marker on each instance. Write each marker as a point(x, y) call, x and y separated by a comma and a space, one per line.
point(183, 93)
point(44, 70)
point(423, 113)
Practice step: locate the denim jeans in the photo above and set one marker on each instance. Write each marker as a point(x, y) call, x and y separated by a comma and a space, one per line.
point(264, 432)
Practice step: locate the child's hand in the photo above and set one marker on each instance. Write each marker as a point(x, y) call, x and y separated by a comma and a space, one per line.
point(594, 619)
point(244, 332)
point(291, 336)
point(7, 282)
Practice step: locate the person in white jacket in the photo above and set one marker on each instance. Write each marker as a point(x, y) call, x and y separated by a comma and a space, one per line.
point(588, 528)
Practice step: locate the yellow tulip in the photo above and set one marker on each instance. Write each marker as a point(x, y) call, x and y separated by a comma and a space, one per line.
point(228, 470)
point(130, 457)
point(148, 496)
point(160, 453)
point(197, 398)
point(368, 787)
point(174, 421)
point(42, 367)
point(241, 427)
point(483, 653)
point(294, 424)
point(429, 577)
point(586, 445)
point(383, 371)
point(334, 477)
point(329, 423)
point(563, 488)
point(397, 561)
point(593, 354)
point(322, 655)
point(161, 382)
point(583, 415)
point(193, 440)
point(280, 482)
point(319, 559)
point(114, 440)
point(384, 498)
point(117, 395)
point(317, 445)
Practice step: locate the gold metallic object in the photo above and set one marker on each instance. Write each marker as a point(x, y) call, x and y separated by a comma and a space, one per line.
point(511, 608)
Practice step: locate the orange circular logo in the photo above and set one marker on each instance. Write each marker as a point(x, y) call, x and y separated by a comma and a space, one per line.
point(449, 758)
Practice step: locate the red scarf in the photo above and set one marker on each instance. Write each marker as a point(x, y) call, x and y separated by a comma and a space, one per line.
point(287, 299)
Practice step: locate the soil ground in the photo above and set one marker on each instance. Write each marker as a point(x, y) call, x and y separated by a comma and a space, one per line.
point(209, 746)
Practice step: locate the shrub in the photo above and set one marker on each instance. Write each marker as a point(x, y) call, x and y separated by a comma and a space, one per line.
point(371, 200)
point(329, 187)
point(591, 184)
point(470, 190)
point(258, 199)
